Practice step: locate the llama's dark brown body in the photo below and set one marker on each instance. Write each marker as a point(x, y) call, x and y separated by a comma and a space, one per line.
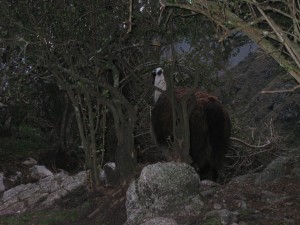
point(210, 129)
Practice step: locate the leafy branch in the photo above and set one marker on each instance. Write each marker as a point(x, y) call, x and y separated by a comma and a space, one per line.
point(273, 25)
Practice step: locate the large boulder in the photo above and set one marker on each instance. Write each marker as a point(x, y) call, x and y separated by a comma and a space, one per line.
point(163, 190)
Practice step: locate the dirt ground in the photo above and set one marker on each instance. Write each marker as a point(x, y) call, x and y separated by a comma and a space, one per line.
point(107, 207)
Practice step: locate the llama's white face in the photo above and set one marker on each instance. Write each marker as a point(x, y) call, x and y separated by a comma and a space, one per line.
point(159, 82)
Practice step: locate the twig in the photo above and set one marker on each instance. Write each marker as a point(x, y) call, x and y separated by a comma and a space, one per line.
point(93, 213)
point(281, 91)
point(249, 145)
point(142, 134)
point(130, 18)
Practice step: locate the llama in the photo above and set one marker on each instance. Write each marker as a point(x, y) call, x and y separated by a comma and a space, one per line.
point(209, 125)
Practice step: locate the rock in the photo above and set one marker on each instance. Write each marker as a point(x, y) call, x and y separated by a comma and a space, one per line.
point(208, 188)
point(111, 178)
point(13, 192)
point(71, 183)
point(108, 175)
point(208, 184)
point(2, 187)
point(274, 171)
point(29, 162)
point(296, 171)
point(16, 177)
point(241, 204)
point(18, 207)
point(270, 197)
point(163, 190)
point(160, 221)
point(222, 216)
point(217, 206)
point(38, 172)
point(42, 194)
point(2, 105)
point(102, 176)
point(247, 178)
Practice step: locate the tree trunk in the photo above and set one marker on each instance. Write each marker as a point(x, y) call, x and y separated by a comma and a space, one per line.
point(125, 156)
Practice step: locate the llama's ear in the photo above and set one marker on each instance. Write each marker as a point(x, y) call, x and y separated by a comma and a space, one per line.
point(153, 76)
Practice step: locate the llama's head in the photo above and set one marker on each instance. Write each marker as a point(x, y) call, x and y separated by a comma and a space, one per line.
point(159, 82)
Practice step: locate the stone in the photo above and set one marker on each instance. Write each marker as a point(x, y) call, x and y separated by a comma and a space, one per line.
point(30, 162)
point(208, 184)
point(71, 182)
point(2, 186)
point(163, 190)
point(160, 221)
point(35, 200)
point(270, 197)
point(2, 105)
point(274, 171)
point(53, 198)
point(102, 176)
point(208, 188)
point(38, 172)
point(16, 177)
point(11, 193)
point(224, 216)
point(49, 184)
point(241, 204)
point(111, 178)
point(18, 207)
point(217, 206)
point(296, 172)
point(42, 194)
point(29, 190)
point(247, 178)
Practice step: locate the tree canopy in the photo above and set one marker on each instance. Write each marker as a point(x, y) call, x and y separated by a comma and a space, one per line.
point(273, 25)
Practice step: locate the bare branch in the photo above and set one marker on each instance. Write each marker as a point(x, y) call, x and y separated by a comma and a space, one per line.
point(281, 91)
point(130, 17)
point(249, 145)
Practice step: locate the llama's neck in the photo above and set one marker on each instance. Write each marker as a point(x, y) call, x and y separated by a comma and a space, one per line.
point(160, 83)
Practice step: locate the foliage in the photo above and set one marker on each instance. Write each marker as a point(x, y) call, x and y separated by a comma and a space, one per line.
point(25, 141)
point(273, 25)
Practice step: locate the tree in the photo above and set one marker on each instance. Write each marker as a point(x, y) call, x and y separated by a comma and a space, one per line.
point(72, 43)
point(273, 25)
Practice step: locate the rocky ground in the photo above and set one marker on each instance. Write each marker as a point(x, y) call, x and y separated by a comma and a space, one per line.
point(242, 201)
point(270, 197)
